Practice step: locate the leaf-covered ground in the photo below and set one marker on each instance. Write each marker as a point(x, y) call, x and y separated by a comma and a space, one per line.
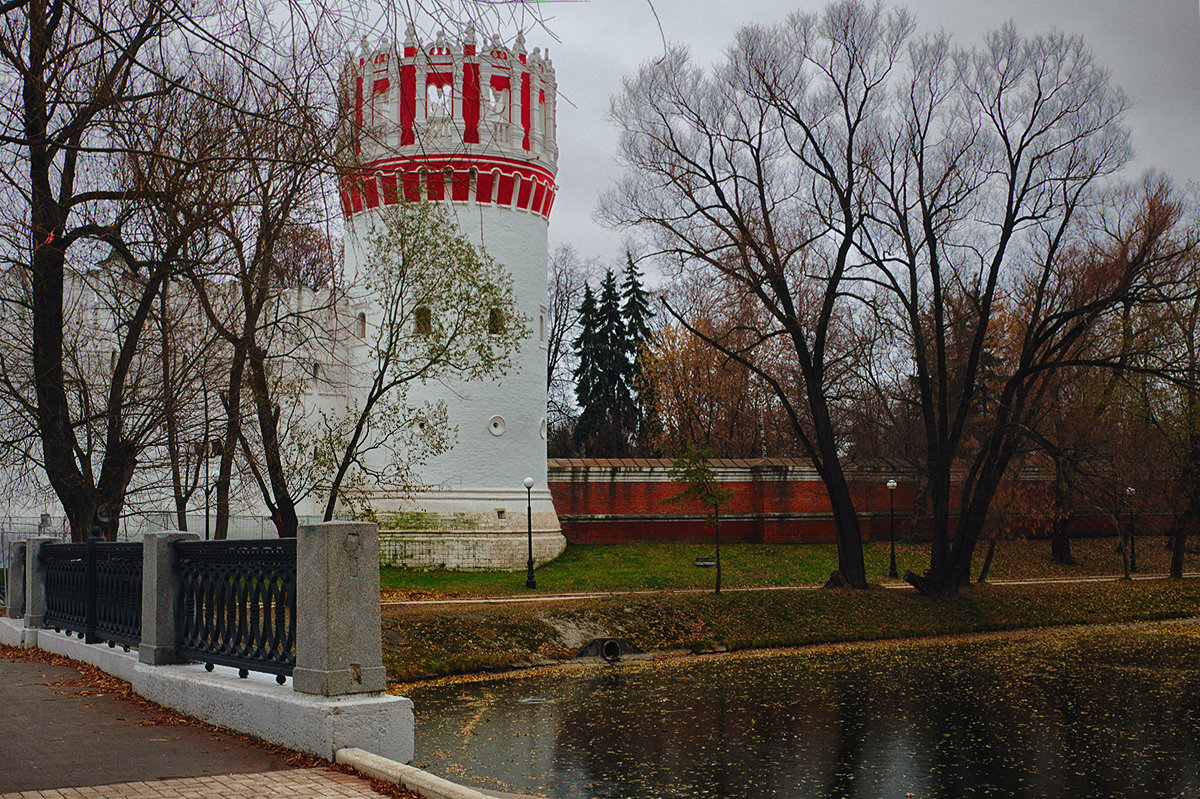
point(423, 642)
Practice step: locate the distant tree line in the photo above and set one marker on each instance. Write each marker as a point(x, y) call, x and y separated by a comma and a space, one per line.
point(887, 250)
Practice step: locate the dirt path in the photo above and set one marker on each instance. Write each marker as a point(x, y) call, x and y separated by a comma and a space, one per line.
point(895, 585)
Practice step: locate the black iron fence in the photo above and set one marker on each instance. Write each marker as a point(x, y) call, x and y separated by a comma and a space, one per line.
point(236, 604)
point(94, 589)
point(234, 601)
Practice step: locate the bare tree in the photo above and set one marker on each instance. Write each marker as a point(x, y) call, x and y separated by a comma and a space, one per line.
point(755, 172)
point(990, 206)
point(567, 277)
point(89, 80)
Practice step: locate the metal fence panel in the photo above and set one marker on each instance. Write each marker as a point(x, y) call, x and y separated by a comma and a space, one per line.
point(119, 593)
point(66, 575)
point(236, 604)
point(94, 589)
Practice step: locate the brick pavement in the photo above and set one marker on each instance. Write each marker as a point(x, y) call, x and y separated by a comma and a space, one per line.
point(287, 784)
point(60, 740)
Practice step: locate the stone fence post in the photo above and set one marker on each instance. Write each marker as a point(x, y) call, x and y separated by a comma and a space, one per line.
point(15, 592)
point(35, 581)
point(159, 591)
point(338, 645)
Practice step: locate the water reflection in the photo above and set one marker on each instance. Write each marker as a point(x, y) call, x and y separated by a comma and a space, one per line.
point(1083, 714)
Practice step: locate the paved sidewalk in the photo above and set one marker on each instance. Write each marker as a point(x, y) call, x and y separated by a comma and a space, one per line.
point(60, 741)
point(289, 784)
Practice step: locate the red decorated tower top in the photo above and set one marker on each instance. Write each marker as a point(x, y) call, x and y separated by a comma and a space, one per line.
point(445, 121)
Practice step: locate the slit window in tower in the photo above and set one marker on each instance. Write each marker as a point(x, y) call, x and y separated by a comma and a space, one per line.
point(423, 320)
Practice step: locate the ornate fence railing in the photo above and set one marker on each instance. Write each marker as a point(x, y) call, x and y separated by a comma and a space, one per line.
point(236, 604)
point(94, 589)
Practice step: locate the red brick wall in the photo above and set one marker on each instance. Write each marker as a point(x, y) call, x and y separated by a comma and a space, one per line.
point(601, 501)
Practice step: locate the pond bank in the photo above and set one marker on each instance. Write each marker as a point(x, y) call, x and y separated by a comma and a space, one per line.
point(423, 642)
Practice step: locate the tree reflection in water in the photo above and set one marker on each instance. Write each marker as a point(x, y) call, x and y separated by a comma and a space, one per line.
point(1112, 713)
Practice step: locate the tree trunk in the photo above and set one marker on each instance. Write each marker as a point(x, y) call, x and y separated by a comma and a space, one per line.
point(1188, 524)
point(1060, 542)
point(851, 570)
point(1064, 493)
point(170, 412)
point(945, 579)
point(717, 541)
point(268, 425)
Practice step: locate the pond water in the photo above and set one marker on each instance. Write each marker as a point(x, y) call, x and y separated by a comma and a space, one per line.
point(1094, 713)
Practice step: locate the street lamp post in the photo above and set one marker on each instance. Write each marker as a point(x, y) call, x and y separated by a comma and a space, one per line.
point(1129, 493)
point(891, 487)
point(530, 582)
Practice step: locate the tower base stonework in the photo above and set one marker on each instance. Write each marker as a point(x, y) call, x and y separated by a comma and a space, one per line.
point(471, 530)
point(467, 551)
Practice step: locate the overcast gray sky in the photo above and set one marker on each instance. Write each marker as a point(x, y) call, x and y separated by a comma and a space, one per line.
point(1151, 46)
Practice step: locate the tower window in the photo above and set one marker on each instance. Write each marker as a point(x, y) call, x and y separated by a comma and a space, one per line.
point(495, 321)
point(423, 320)
point(439, 100)
point(498, 104)
point(360, 325)
point(316, 370)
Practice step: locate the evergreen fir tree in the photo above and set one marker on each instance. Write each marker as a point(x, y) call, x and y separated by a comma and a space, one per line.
point(588, 350)
point(635, 310)
point(636, 313)
point(603, 385)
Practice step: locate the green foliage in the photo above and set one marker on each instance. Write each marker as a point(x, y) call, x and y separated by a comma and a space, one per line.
point(635, 310)
point(602, 376)
point(694, 469)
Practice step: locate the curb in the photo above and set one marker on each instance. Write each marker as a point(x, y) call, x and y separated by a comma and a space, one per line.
point(409, 777)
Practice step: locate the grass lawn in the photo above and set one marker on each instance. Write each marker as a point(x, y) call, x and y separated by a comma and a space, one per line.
point(670, 566)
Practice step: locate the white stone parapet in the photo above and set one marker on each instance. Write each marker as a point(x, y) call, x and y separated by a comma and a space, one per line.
point(339, 649)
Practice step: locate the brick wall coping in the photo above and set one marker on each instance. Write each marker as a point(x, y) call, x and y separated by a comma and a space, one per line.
point(654, 470)
point(566, 470)
point(665, 463)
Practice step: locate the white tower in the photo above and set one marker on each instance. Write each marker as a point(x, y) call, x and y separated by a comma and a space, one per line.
point(476, 130)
